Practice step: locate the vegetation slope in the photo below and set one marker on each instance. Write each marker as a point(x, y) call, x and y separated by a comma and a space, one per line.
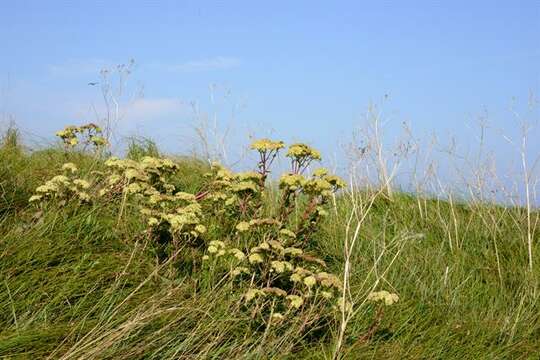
point(78, 283)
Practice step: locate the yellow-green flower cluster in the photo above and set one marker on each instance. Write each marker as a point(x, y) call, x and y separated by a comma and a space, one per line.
point(178, 213)
point(310, 278)
point(234, 257)
point(320, 184)
point(69, 135)
point(228, 190)
point(318, 187)
point(280, 273)
point(87, 134)
point(70, 167)
point(292, 182)
point(63, 187)
point(302, 151)
point(219, 248)
point(383, 296)
point(300, 277)
point(264, 145)
point(146, 177)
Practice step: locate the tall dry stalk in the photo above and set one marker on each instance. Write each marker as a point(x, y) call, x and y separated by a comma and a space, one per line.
point(351, 303)
point(527, 176)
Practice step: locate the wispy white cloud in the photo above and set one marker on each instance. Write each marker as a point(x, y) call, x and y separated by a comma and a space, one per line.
point(216, 63)
point(150, 109)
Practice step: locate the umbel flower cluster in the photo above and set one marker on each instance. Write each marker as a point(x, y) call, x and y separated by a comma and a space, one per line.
point(89, 134)
point(256, 234)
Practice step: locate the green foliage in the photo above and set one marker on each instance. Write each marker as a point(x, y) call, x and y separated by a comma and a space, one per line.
point(11, 139)
point(83, 280)
point(141, 147)
point(279, 273)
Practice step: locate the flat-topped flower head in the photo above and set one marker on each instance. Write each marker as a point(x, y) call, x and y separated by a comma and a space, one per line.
point(291, 181)
point(253, 293)
point(320, 172)
point(328, 280)
point(69, 131)
point(293, 251)
point(255, 258)
point(388, 298)
point(317, 186)
point(302, 151)
point(71, 167)
point(248, 176)
point(263, 145)
point(98, 140)
point(84, 197)
point(35, 198)
point(60, 179)
point(239, 270)
point(335, 181)
point(150, 163)
point(278, 266)
point(245, 187)
point(287, 233)
point(310, 281)
point(295, 301)
point(242, 226)
point(238, 254)
point(83, 184)
point(277, 317)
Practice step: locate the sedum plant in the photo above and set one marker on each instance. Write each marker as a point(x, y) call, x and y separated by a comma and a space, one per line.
point(268, 256)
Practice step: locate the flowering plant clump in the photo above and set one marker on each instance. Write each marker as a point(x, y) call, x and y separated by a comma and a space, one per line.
point(261, 247)
point(267, 256)
point(89, 134)
point(280, 278)
point(177, 215)
point(144, 177)
point(232, 195)
point(63, 187)
point(172, 217)
point(169, 214)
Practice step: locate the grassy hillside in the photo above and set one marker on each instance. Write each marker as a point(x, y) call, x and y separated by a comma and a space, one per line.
point(90, 281)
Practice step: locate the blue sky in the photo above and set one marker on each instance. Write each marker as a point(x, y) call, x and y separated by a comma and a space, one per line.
point(302, 70)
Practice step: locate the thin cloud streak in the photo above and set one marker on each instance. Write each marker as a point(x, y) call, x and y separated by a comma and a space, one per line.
point(149, 109)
